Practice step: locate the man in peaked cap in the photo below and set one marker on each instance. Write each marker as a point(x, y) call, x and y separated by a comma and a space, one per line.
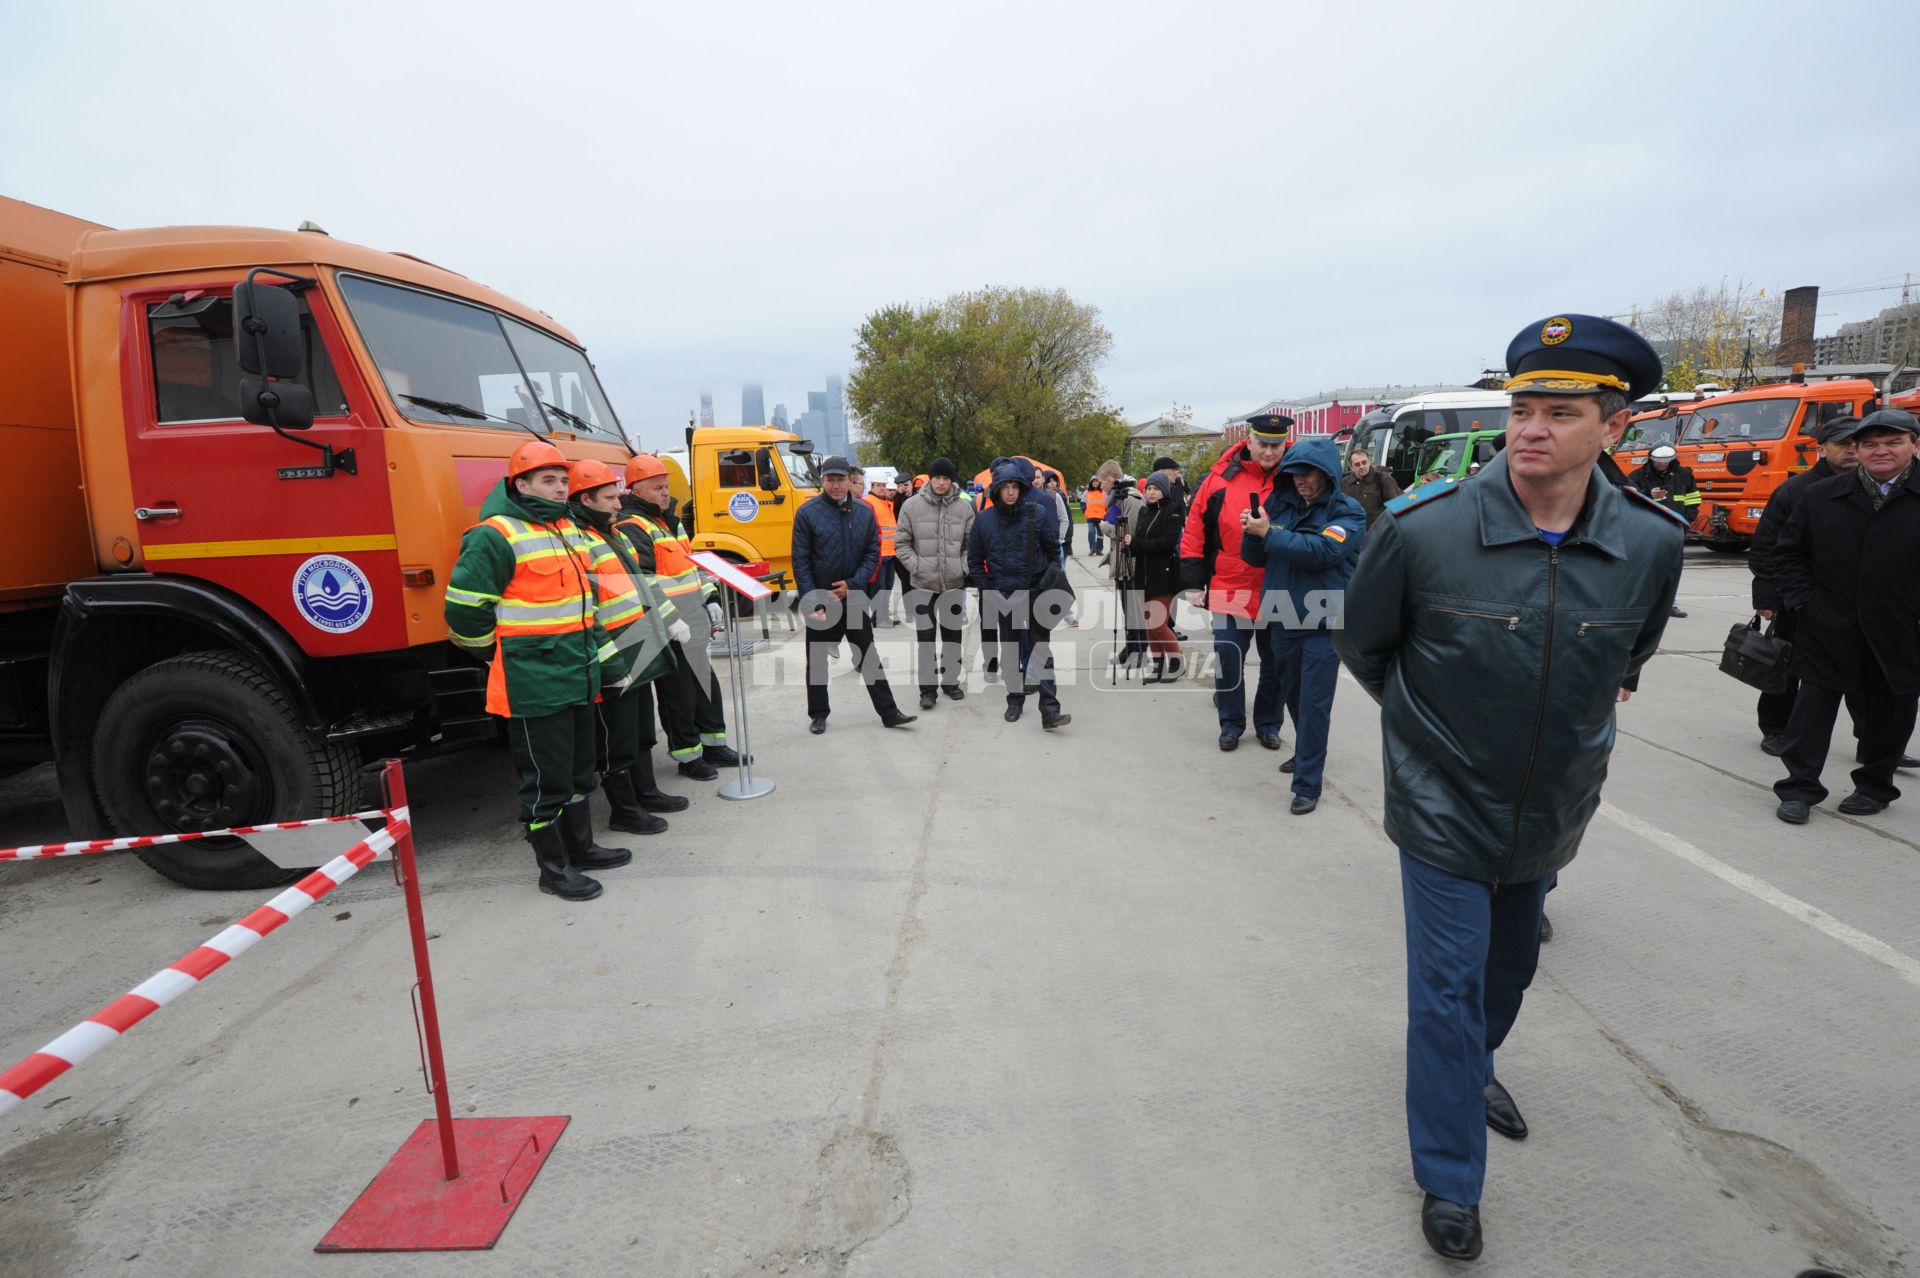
point(1497, 719)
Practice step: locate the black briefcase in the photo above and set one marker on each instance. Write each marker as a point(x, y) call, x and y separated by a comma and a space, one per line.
point(1758, 658)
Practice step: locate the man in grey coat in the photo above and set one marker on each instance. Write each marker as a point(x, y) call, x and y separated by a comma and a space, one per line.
point(930, 543)
point(1497, 623)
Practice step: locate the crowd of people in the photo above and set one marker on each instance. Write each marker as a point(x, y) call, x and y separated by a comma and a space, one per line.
point(1497, 621)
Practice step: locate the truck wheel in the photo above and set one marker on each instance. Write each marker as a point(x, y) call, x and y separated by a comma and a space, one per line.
point(207, 740)
point(1727, 547)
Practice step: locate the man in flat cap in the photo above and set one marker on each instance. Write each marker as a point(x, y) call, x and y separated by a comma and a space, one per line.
point(1845, 567)
point(1497, 623)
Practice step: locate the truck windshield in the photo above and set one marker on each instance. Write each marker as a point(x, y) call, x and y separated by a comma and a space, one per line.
point(1717, 423)
point(1444, 456)
point(434, 347)
point(802, 467)
point(1651, 433)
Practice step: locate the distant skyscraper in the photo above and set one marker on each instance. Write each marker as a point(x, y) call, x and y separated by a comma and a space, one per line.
point(825, 421)
point(753, 408)
point(779, 416)
point(706, 408)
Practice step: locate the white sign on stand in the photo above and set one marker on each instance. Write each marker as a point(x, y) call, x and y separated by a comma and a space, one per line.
point(738, 585)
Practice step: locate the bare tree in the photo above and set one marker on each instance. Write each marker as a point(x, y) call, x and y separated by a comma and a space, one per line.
point(1708, 329)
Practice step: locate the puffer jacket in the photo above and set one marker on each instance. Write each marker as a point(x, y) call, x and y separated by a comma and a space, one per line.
point(1207, 545)
point(1497, 659)
point(1310, 552)
point(1007, 549)
point(931, 540)
point(833, 541)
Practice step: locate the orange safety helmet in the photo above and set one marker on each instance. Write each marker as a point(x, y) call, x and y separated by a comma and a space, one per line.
point(644, 466)
point(533, 455)
point(587, 474)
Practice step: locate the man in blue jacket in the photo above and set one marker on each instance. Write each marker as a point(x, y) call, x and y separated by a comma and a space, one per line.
point(1012, 541)
point(836, 549)
point(1308, 537)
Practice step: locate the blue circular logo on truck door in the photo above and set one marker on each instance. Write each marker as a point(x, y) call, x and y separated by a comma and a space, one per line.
point(744, 507)
point(332, 594)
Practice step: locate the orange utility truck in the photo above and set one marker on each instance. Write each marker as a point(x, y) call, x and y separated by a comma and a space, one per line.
point(243, 460)
point(1742, 446)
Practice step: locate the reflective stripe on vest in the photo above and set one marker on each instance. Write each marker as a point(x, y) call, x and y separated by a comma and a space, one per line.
point(548, 592)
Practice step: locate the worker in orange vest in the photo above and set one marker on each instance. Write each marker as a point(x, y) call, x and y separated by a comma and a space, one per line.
point(1095, 504)
point(880, 590)
point(641, 625)
point(522, 591)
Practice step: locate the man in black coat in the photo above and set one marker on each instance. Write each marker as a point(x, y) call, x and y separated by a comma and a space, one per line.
point(1838, 453)
point(836, 550)
point(1845, 565)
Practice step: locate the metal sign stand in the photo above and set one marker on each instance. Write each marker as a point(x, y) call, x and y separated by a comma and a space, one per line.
point(738, 584)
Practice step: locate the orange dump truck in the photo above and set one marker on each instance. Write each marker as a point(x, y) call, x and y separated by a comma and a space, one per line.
point(243, 462)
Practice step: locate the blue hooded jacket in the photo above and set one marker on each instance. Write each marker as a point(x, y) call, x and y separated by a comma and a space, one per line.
point(1312, 549)
point(1006, 554)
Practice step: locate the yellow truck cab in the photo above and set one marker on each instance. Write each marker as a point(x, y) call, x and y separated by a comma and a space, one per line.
point(740, 487)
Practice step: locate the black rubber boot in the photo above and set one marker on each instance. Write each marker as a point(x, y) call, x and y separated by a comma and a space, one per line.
point(648, 791)
point(576, 827)
point(1156, 671)
point(556, 875)
point(628, 815)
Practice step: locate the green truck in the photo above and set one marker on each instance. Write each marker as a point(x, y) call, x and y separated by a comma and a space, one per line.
point(1455, 455)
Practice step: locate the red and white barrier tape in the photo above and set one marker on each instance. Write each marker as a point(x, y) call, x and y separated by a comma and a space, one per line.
point(38, 851)
point(175, 979)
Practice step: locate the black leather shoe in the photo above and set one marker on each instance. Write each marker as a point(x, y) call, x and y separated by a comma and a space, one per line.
point(926, 700)
point(1774, 744)
point(1793, 811)
point(894, 719)
point(722, 756)
point(1502, 1114)
point(1907, 761)
point(1452, 1229)
point(1229, 741)
point(699, 769)
point(1052, 721)
point(1288, 765)
point(955, 692)
point(817, 726)
point(1858, 804)
point(1013, 714)
point(1677, 611)
point(1271, 740)
point(1303, 804)
point(1546, 929)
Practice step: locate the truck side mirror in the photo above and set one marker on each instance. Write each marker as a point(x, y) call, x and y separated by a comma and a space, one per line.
point(288, 405)
point(267, 330)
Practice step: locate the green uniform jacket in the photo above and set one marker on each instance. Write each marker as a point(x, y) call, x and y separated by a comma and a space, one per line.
point(544, 673)
point(642, 651)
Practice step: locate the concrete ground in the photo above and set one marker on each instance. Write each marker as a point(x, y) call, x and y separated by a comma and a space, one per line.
point(975, 999)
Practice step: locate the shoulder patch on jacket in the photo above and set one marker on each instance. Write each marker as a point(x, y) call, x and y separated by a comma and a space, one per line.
point(1421, 496)
point(1334, 531)
point(1636, 495)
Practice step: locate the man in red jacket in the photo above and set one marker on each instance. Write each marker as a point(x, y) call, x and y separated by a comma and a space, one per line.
point(1209, 559)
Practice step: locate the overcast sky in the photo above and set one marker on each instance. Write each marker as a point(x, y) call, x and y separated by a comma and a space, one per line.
point(1263, 199)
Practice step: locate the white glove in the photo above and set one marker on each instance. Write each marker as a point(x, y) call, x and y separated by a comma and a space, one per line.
point(679, 631)
point(714, 616)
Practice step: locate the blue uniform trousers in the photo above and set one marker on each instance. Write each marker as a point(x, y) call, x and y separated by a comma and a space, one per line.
point(1309, 673)
point(1232, 636)
point(1471, 952)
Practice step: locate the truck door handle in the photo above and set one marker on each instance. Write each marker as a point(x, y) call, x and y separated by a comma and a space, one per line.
point(156, 512)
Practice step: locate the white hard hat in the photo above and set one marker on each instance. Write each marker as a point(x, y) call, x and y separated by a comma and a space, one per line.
point(1663, 453)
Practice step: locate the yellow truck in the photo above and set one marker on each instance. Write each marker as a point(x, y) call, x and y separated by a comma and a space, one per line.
point(740, 487)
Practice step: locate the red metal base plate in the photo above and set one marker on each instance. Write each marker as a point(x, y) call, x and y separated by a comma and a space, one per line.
point(412, 1206)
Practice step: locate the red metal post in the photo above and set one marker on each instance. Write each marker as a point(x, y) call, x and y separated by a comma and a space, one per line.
point(394, 785)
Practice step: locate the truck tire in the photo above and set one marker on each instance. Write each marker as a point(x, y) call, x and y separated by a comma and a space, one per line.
point(1727, 547)
point(208, 740)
